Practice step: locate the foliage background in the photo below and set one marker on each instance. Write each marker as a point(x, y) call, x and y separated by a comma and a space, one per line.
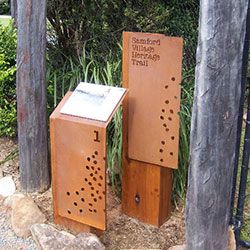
point(7, 80)
point(84, 44)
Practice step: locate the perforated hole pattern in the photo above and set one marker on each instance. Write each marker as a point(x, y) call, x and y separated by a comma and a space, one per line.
point(166, 116)
point(86, 198)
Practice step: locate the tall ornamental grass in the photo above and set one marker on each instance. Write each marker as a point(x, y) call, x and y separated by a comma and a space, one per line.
point(86, 68)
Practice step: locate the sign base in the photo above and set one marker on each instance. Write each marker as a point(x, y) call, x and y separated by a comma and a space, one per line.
point(146, 192)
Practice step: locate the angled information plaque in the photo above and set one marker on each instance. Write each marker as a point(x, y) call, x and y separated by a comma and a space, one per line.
point(93, 101)
point(78, 132)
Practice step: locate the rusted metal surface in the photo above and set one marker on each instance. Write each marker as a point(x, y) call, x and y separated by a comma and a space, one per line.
point(152, 73)
point(78, 153)
point(79, 168)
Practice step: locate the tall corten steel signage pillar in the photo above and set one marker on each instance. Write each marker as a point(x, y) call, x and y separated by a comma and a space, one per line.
point(152, 72)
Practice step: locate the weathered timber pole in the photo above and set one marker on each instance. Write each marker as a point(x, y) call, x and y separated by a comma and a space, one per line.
point(13, 7)
point(31, 95)
point(214, 121)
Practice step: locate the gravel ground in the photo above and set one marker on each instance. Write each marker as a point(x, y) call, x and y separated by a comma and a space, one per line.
point(123, 232)
point(8, 239)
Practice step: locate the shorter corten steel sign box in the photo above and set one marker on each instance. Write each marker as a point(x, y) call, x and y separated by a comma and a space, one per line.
point(78, 128)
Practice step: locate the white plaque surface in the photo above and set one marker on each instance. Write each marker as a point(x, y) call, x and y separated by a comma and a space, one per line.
point(93, 101)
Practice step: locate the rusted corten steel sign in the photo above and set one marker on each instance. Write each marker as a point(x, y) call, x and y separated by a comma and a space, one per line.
point(78, 150)
point(152, 66)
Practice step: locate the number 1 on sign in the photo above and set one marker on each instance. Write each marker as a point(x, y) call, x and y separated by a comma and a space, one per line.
point(96, 136)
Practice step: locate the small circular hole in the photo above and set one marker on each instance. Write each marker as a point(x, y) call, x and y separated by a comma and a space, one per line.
point(92, 167)
point(164, 125)
point(171, 153)
point(173, 79)
point(92, 188)
point(82, 189)
point(172, 137)
point(95, 200)
point(95, 162)
point(161, 150)
point(96, 172)
point(166, 86)
point(98, 169)
point(93, 156)
point(95, 211)
point(161, 117)
point(167, 129)
point(91, 174)
point(163, 110)
point(163, 142)
point(90, 183)
point(69, 212)
point(68, 193)
point(90, 210)
point(97, 191)
point(96, 153)
point(171, 111)
point(82, 199)
point(99, 184)
point(167, 101)
point(92, 195)
point(86, 179)
point(103, 192)
point(77, 193)
point(101, 177)
point(161, 160)
point(100, 197)
point(80, 210)
point(169, 118)
point(88, 159)
point(94, 178)
point(75, 203)
point(87, 167)
point(90, 204)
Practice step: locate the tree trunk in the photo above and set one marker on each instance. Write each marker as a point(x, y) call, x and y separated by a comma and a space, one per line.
point(214, 121)
point(31, 95)
point(13, 7)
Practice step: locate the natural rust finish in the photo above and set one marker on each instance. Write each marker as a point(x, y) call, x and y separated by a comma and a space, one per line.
point(78, 168)
point(150, 125)
point(78, 152)
point(152, 72)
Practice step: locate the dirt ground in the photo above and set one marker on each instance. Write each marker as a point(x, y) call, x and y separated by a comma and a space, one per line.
point(122, 231)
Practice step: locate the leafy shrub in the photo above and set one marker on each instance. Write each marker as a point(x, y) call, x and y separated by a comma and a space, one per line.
point(4, 8)
point(83, 46)
point(7, 80)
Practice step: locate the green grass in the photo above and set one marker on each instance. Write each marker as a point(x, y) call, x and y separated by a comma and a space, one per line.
point(86, 68)
point(245, 232)
point(5, 20)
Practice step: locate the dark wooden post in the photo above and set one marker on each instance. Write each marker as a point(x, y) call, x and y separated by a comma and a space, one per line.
point(31, 95)
point(13, 6)
point(214, 121)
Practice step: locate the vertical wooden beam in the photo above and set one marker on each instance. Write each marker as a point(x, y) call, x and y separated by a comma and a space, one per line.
point(31, 95)
point(214, 122)
point(13, 7)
